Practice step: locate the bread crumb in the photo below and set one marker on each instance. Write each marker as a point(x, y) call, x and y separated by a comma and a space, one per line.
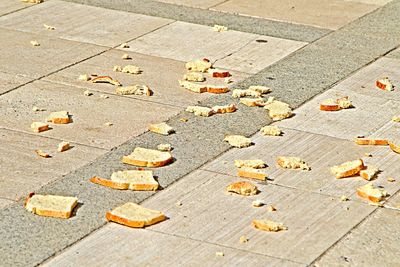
point(271, 208)
point(124, 45)
point(164, 147)
point(48, 27)
point(126, 57)
point(267, 225)
point(104, 96)
point(84, 77)
point(183, 119)
point(257, 203)
point(35, 108)
point(293, 163)
point(219, 253)
point(271, 130)
point(368, 155)
point(87, 93)
point(178, 204)
point(228, 80)
point(344, 198)
point(108, 124)
point(42, 154)
point(131, 69)
point(38, 127)
point(117, 68)
point(219, 28)
point(391, 179)
point(35, 43)
point(243, 239)
point(396, 119)
point(63, 146)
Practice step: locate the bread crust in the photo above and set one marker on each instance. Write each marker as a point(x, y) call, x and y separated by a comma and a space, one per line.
point(371, 142)
point(221, 74)
point(106, 79)
point(334, 107)
point(141, 163)
point(217, 90)
point(61, 120)
point(109, 183)
point(134, 224)
point(252, 175)
point(395, 148)
point(362, 194)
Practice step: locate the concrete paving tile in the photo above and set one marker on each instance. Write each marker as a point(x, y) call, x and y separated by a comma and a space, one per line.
point(394, 54)
point(7, 6)
point(89, 114)
point(209, 214)
point(194, 3)
point(4, 202)
point(23, 171)
point(160, 74)
point(327, 13)
point(11, 81)
point(82, 23)
point(372, 2)
point(171, 251)
point(18, 56)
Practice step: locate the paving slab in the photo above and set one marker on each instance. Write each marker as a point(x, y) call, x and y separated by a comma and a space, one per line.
point(7, 6)
point(4, 202)
point(11, 81)
point(194, 3)
point(89, 114)
point(394, 54)
point(18, 56)
point(326, 14)
point(170, 250)
point(82, 23)
point(23, 171)
point(160, 74)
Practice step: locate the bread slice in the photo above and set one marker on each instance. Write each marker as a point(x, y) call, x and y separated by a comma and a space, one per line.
point(144, 157)
point(197, 88)
point(139, 180)
point(105, 79)
point(59, 117)
point(369, 173)
point(217, 73)
point(348, 169)
point(63, 146)
point(51, 206)
point(200, 111)
point(134, 215)
point(292, 163)
point(238, 93)
point(238, 141)
point(372, 193)
point(384, 84)
point(252, 173)
point(242, 188)
point(253, 102)
point(371, 141)
point(395, 148)
point(224, 109)
point(329, 105)
point(131, 69)
point(217, 89)
point(267, 225)
point(109, 183)
point(134, 90)
point(161, 128)
point(198, 65)
point(271, 130)
point(250, 163)
point(38, 127)
point(261, 89)
point(194, 77)
point(278, 110)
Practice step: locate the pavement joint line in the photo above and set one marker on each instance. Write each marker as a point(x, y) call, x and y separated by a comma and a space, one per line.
point(17, 10)
point(218, 4)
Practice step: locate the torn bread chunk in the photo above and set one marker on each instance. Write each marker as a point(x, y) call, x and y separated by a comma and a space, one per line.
point(329, 105)
point(269, 226)
point(59, 117)
point(200, 111)
point(134, 215)
point(242, 188)
point(105, 79)
point(250, 163)
point(200, 65)
point(131, 69)
point(42, 154)
point(217, 89)
point(38, 127)
point(87, 93)
point(348, 169)
point(51, 206)
point(369, 173)
point(238, 93)
point(35, 43)
point(253, 102)
point(384, 84)
point(394, 147)
point(109, 183)
point(371, 141)
point(117, 68)
point(239, 141)
point(84, 77)
point(138, 180)
point(372, 193)
point(144, 157)
point(259, 88)
point(197, 88)
point(164, 147)
point(63, 146)
point(48, 27)
point(278, 110)
point(251, 173)
point(292, 163)
point(271, 130)
point(224, 109)
point(134, 90)
point(194, 77)
point(257, 203)
point(220, 28)
point(161, 128)
point(217, 73)
point(124, 45)
point(396, 118)
point(344, 102)
point(126, 57)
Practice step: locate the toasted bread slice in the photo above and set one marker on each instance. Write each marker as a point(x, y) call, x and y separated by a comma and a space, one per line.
point(292, 163)
point(134, 215)
point(137, 179)
point(371, 141)
point(134, 90)
point(329, 105)
point(109, 183)
point(238, 93)
point(63, 146)
point(384, 84)
point(51, 206)
point(242, 188)
point(278, 110)
point(253, 102)
point(238, 141)
point(250, 163)
point(194, 87)
point(198, 65)
point(59, 117)
point(369, 173)
point(224, 109)
point(217, 89)
point(271, 130)
point(144, 157)
point(217, 73)
point(105, 79)
point(269, 226)
point(38, 127)
point(161, 128)
point(261, 89)
point(348, 169)
point(395, 148)
point(194, 77)
point(252, 173)
point(372, 193)
point(200, 111)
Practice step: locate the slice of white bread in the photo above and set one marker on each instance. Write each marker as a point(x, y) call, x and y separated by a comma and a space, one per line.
point(144, 157)
point(250, 163)
point(267, 225)
point(200, 65)
point(384, 84)
point(348, 169)
point(200, 111)
point(51, 206)
point(239, 141)
point(292, 163)
point(372, 193)
point(161, 128)
point(253, 102)
point(63, 146)
point(371, 141)
point(329, 105)
point(238, 93)
point(242, 188)
point(271, 130)
point(59, 117)
point(224, 109)
point(395, 148)
point(217, 73)
point(278, 110)
point(139, 180)
point(105, 79)
point(131, 69)
point(134, 90)
point(109, 183)
point(134, 215)
point(197, 88)
point(261, 89)
point(38, 127)
point(369, 173)
point(247, 172)
point(194, 77)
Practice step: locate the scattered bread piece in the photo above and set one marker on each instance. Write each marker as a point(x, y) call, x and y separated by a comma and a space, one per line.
point(197, 88)
point(238, 93)
point(33, 1)
point(198, 65)
point(250, 163)
point(219, 254)
point(84, 77)
point(271, 130)
point(108, 124)
point(228, 80)
point(243, 239)
point(35, 43)
point(63, 146)
point(253, 102)
point(134, 215)
point(391, 179)
point(131, 69)
point(134, 90)
point(109, 183)
point(329, 105)
point(384, 84)
point(144, 157)
point(106, 79)
point(219, 28)
point(138, 180)
point(48, 27)
point(395, 148)
point(396, 118)
point(217, 89)
point(271, 208)
point(259, 88)
point(38, 127)
point(124, 45)
point(59, 117)
point(369, 173)
point(35, 108)
point(257, 203)
point(161, 128)
point(217, 73)
point(183, 119)
point(104, 96)
point(42, 154)
point(51, 206)
point(292, 163)
point(371, 141)
point(267, 225)
point(117, 68)
point(344, 198)
point(164, 147)
point(194, 77)
point(200, 111)
point(278, 110)
point(178, 204)
point(87, 93)
point(126, 57)
point(238, 141)
point(347, 169)
point(251, 173)
point(242, 188)
point(344, 102)
point(372, 193)
point(224, 109)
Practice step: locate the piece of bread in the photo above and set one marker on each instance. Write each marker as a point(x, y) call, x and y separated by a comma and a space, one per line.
point(253, 102)
point(348, 169)
point(261, 89)
point(139, 180)
point(371, 141)
point(217, 89)
point(329, 105)
point(238, 141)
point(109, 183)
point(200, 111)
point(164, 147)
point(51, 206)
point(278, 110)
point(396, 118)
point(238, 93)
point(395, 148)
point(197, 88)
point(242, 188)
point(134, 90)
point(292, 163)
point(217, 73)
point(224, 109)
point(84, 77)
point(161, 128)
point(117, 68)
point(59, 117)
point(35, 43)
point(38, 127)
point(251, 173)
point(42, 154)
point(384, 84)
point(369, 173)
point(105, 79)
point(372, 193)
point(126, 56)
point(267, 225)
point(131, 69)
point(271, 130)
point(198, 65)
point(257, 203)
point(344, 102)
point(63, 146)
point(134, 215)
point(220, 28)
point(250, 163)
point(144, 157)
point(194, 77)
